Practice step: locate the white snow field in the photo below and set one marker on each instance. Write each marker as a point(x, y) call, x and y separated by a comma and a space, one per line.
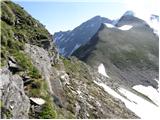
point(109, 25)
point(140, 106)
point(149, 91)
point(101, 70)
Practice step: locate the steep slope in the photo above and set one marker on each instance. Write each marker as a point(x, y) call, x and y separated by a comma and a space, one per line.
point(20, 78)
point(79, 36)
point(36, 83)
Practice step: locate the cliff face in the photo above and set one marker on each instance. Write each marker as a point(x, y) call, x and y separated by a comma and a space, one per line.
point(37, 83)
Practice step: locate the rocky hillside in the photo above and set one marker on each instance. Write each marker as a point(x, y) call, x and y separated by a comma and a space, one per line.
point(38, 83)
point(131, 55)
point(127, 54)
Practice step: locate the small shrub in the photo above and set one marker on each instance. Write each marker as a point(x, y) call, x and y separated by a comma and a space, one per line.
point(48, 111)
point(22, 59)
point(1, 104)
point(34, 73)
point(6, 33)
point(6, 14)
point(25, 62)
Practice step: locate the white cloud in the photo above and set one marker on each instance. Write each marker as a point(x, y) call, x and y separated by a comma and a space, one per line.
point(143, 8)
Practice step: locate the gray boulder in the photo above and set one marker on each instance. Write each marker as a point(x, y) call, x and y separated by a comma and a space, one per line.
point(15, 104)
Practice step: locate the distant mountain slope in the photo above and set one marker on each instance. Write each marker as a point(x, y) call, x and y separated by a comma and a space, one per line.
point(131, 55)
point(68, 42)
point(126, 53)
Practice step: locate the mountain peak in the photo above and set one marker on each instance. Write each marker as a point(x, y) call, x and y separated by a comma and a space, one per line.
point(97, 16)
point(78, 36)
point(129, 13)
point(101, 19)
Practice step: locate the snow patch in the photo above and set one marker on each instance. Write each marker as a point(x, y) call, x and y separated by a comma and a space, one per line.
point(156, 80)
point(109, 25)
point(149, 91)
point(101, 70)
point(125, 27)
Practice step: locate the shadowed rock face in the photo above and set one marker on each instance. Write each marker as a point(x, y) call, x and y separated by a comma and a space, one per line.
point(79, 36)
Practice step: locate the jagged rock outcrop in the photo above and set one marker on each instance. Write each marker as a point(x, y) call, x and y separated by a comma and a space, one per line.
point(44, 62)
point(14, 103)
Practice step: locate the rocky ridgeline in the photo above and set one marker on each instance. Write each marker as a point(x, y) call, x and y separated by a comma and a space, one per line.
point(37, 83)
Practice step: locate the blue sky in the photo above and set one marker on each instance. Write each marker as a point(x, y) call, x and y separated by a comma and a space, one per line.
point(65, 15)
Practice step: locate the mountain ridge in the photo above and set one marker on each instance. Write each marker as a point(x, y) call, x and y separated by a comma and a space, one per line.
point(78, 35)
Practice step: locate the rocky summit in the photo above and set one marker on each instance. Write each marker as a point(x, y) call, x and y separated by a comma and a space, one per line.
point(98, 79)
